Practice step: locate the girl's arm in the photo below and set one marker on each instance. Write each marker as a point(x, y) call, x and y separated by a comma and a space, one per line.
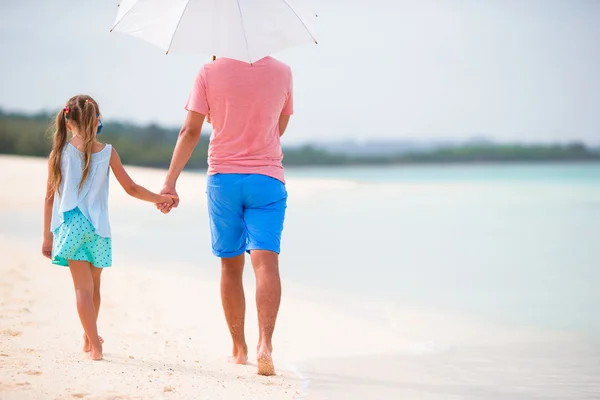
point(133, 189)
point(48, 201)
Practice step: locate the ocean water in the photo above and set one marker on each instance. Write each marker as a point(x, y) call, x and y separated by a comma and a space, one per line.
point(513, 243)
point(580, 173)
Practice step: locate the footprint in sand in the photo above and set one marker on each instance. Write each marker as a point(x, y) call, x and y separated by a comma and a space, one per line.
point(271, 383)
point(10, 332)
point(32, 372)
point(9, 386)
point(79, 395)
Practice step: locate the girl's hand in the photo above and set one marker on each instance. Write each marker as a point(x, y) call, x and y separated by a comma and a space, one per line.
point(167, 200)
point(167, 203)
point(47, 247)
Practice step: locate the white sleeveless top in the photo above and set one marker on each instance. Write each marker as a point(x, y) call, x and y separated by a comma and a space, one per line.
point(92, 200)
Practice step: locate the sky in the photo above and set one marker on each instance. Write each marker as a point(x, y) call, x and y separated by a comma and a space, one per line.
point(509, 70)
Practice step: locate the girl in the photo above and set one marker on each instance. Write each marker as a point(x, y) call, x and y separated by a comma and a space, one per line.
point(76, 226)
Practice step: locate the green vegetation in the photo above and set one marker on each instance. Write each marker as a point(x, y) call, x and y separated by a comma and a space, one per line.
point(149, 146)
point(152, 146)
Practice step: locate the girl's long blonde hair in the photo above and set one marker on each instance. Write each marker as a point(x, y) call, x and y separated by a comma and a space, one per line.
point(81, 111)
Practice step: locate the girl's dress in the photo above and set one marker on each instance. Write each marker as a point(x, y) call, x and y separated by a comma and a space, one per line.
point(80, 217)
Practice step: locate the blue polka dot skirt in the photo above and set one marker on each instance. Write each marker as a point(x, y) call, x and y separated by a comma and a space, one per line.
point(76, 239)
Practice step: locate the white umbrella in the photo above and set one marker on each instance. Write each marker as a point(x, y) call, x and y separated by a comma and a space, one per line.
point(246, 30)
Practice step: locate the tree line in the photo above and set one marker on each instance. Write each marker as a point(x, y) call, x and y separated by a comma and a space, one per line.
point(152, 146)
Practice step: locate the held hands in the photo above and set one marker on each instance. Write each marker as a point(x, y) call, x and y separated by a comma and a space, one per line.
point(171, 199)
point(167, 203)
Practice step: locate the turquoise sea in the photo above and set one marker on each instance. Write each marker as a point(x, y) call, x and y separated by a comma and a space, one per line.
point(517, 242)
point(513, 172)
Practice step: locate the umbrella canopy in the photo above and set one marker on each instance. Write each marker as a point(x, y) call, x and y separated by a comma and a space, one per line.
point(245, 30)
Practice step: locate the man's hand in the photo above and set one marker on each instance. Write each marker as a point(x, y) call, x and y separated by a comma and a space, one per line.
point(170, 191)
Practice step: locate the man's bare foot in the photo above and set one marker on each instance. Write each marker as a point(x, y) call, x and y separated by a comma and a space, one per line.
point(265, 363)
point(240, 356)
point(96, 353)
point(86, 342)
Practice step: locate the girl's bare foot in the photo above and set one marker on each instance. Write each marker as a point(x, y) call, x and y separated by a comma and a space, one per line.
point(86, 342)
point(96, 352)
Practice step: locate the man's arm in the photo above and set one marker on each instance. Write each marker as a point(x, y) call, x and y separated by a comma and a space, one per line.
point(288, 108)
point(283, 123)
point(186, 142)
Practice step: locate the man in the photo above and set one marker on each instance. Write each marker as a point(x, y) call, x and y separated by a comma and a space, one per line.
point(249, 106)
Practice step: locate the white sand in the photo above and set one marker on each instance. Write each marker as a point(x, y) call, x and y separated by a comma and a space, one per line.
point(166, 336)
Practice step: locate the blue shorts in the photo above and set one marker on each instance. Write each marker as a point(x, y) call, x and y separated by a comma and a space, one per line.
point(246, 213)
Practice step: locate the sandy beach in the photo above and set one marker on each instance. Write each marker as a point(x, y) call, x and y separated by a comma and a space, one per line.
point(164, 330)
point(165, 336)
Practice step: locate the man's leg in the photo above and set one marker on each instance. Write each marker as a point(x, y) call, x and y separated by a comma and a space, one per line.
point(228, 235)
point(265, 204)
point(234, 305)
point(268, 297)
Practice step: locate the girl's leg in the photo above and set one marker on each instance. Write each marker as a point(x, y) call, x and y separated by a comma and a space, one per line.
point(84, 292)
point(96, 275)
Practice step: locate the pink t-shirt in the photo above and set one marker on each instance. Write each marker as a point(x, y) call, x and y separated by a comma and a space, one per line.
point(244, 102)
